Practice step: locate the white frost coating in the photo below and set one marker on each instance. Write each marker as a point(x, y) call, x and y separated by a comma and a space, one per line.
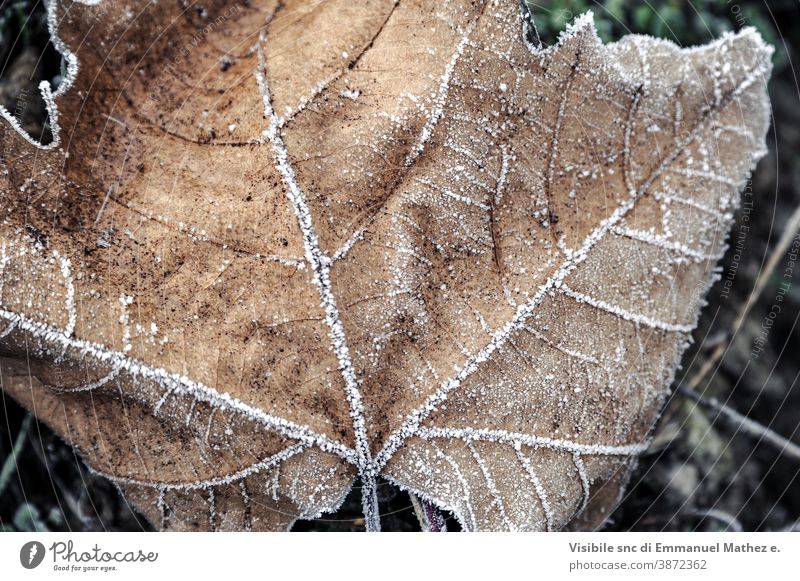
point(497, 500)
point(584, 478)
point(584, 21)
point(512, 438)
point(190, 414)
point(441, 97)
point(755, 75)
point(198, 234)
point(707, 175)
point(414, 420)
point(320, 266)
point(103, 205)
point(552, 155)
point(276, 483)
point(666, 244)
point(4, 260)
point(438, 503)
point(163, 399)
point(502, 179)
point(353, 95)
point(212, 508)
point(291, 113)
point(349, 243)
point(323, 483)
point(569, 352)
point(247, 501)
point(669, 198)
point(124, 319)
point(451, 194)
point(265, 464)
point(180, 384)
point(537, 484)
point(626, 147)
point(162, 506)
point(72, 314)
point(462, 480)
point(89, 386)
point(48, 96)
point(528, 28)
point(624, 314)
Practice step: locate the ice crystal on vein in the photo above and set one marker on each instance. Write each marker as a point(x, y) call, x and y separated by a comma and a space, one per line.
point(124, 319)
point(321, 270)
point(537, 484)
point(581, 468)
point(413, 421)
point(248, 505)
point(511, 438)
point(177, 384)
point(274, 460)
point(102, 382)
point(69, 299)
point(497, 500)
point(441, 98)
point(665, 243)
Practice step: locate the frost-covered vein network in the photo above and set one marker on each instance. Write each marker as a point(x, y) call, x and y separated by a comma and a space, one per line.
point(260, 466)
point(497, 499)
point(517, 441)
point(176, 383)
point(412, 423)
point(580, 467)
point(110, 376)
point(554, 283)
point(462, 480)
point(197, 234)
point(72, 314)
point(617, 311)
point(432, 119)
point(320, 265)
point(290, 114)
point(663, 242)
point(556, 133)
point(537, 485)
point(321, 269)
point(756, 74)
point(441, 96)
point(517, 438)
point(208, 485)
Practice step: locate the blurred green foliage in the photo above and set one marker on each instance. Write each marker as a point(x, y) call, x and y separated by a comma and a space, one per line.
point(686, 22)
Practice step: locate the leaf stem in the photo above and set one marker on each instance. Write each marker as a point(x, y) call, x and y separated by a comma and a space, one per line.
point(429, 516)
point(745, 425)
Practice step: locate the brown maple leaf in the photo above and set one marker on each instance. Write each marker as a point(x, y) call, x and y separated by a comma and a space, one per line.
point(279, 245)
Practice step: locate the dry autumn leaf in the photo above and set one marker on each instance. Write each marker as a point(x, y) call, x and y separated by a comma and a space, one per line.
point(277, 246)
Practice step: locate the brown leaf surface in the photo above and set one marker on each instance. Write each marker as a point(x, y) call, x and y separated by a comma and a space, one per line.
point(282, 244)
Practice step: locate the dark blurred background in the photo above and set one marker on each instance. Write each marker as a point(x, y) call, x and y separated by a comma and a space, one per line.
point(707, 469)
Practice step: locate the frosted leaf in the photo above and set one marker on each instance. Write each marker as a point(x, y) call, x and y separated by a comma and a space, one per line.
point(413, 246)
